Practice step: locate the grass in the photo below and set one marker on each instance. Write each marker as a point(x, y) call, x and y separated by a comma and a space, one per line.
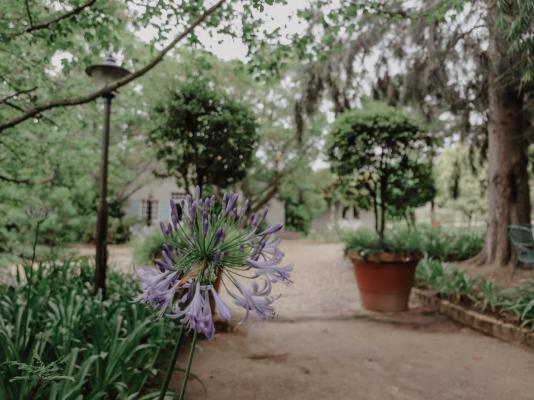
point(59, 341)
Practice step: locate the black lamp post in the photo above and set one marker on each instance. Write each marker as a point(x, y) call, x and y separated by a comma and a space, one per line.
point(103, 74)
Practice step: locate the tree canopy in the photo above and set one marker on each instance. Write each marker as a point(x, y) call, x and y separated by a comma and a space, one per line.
point(386, 153)
point(464, 66)
point(206, 138)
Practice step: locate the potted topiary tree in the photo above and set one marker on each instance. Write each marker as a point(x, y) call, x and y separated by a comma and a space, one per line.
point(385, 155)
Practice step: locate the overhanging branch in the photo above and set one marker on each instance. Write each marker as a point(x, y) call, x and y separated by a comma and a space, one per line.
point(25, 181)
point(17, 93)
point(38, 109)
point(58, 18)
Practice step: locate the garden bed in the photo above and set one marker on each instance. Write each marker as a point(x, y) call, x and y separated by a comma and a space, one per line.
point(487, 324)
point(502, 277)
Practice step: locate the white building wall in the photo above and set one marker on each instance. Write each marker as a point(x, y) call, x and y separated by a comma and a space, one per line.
point(277, 212)
point(162, 190)
point(333, 219)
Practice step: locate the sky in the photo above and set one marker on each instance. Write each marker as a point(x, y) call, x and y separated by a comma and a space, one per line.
point(278, 15)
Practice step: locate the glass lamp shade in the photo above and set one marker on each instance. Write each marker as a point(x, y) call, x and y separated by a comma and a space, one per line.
point(106, 72)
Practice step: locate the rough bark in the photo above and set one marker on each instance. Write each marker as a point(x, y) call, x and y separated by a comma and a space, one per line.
point(508, 186)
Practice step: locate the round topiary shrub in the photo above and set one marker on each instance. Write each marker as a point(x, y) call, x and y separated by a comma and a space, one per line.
point(385, 154)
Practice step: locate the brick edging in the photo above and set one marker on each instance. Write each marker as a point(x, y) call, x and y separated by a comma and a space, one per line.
point(489, 325)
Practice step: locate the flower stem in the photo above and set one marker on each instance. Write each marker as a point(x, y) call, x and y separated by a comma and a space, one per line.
point(172, 364)
point(188, 366)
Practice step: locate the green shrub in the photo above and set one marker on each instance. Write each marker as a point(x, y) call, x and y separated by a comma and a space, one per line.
point(484, 295)
point(366, 242)
point(452, 283)
point(384, 154)
point(489, 296)
point(222, 149)
point(147, 248)
point(59, 341)
point(450, 244)
point(429, 274)
point(520, 302)
point(442, 244)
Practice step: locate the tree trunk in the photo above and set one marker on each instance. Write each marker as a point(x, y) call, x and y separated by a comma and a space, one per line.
point(383, 201)
point(375, 210)
point(508, 186)
point(382, 226)
point(433, 221)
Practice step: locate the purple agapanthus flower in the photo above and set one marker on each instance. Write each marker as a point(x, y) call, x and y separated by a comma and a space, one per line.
point(194, 310)
point(206, 245)
point(159, 288)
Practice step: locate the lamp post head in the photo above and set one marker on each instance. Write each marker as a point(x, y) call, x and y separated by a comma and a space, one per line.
point(106, 72)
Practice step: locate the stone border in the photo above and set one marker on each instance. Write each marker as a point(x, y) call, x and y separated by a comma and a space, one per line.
point(489, 325)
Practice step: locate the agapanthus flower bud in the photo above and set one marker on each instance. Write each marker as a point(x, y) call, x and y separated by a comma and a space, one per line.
point(232, 202)
point(164, 265)
point(206, 225)
point(164, 228)
point(167, 254)
point(218, 257)
point(176, 213)
point(251, 220)
point(271, 229)
point(262, 217)
point(193, 212)
point(219, 236)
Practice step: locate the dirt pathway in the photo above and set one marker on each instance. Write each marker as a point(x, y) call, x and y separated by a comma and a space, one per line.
point(324, 346)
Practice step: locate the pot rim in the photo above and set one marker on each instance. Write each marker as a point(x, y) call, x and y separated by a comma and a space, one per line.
point(384, 257)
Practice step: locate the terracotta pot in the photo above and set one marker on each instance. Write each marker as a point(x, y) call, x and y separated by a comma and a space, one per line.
point(384, 280)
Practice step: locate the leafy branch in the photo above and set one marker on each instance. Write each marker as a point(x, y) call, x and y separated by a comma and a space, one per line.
point(38, 109)
point(26, 181)
point(17, 93)
point(58, 18)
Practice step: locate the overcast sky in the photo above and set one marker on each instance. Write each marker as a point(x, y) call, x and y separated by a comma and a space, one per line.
point(279, 15)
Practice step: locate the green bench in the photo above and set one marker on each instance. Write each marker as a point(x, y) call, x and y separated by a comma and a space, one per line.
point(523, 243)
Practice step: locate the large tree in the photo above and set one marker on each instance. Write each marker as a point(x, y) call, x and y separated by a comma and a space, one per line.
point(284, 157)
point(508, 183)
point(433, 56)
point(462, 188)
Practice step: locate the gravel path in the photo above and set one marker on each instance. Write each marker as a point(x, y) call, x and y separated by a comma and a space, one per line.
point(322, 345)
